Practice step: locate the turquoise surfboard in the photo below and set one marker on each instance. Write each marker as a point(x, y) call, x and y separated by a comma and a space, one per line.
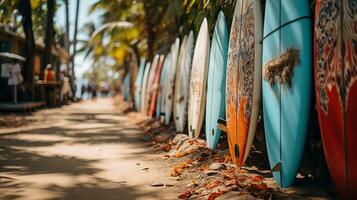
point(138, 84)
point(161, 85)
point(216, 86)
point(287, 39)
point(127, 87)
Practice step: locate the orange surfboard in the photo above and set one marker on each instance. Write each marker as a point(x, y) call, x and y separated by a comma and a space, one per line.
point(244, 78)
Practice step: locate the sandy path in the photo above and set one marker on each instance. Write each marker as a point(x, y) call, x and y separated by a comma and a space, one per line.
point(81, 151)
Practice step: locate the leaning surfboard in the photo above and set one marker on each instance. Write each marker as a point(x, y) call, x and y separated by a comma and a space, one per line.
point(160, 102)
point(336, 89)
point(198, 81)
point(150, 82)
point(143, 87)
point(287, 82)
point(155, 87)
point(179, 67)
point(182, 86)
point(138, 83)
point(216, 85)
point(244, 78)
point(170, 84)
point(127, 87)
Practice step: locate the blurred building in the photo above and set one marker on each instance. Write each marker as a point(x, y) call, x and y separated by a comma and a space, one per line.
point(12, 49)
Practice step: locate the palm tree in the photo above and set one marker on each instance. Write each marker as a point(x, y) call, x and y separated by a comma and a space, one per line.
point(47, 59)
point(75, 39)
point(24, 7)
point(67, 42)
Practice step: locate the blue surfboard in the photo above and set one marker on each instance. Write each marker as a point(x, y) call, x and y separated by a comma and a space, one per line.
point(287, 41)
point(138, 84)
point(127, 87)
point(161, 85)
point(216, 88)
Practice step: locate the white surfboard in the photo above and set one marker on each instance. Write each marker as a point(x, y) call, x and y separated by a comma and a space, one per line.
point(198, 82)
point(169, 87)
point(143, 88)
point(182, 86)
point(180, 61)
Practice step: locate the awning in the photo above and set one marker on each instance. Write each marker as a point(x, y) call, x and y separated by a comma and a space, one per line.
point(9, 55)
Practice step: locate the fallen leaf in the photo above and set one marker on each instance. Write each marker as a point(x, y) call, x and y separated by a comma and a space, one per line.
point(257, 178)
point(213, 184)
point(177, 170)
point(184, 153)
point(229, 183)
point(185, 195)
point(228, 159)
point(214, 195)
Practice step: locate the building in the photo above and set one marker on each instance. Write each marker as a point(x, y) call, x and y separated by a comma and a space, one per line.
point(14, 44)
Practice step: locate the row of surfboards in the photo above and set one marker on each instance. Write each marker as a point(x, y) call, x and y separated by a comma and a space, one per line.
point(269, 64)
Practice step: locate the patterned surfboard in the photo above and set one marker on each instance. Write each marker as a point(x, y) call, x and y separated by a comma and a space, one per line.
point(335, 54)
point(244, 78)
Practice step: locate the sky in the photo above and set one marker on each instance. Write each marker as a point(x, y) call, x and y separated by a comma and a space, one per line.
point(81, 65)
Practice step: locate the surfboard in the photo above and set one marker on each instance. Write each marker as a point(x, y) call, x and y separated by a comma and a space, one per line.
point(150, 82)
point(244, 78)
point(170, 81)
point(216, 84)
point(138, 83)
point(127, 87)
point(182, 86)
point(160, 100)
point(155, 87)
point(179, 67)
point(287, 83)
point(143, 88)
point(198, 81)
point(335, 57)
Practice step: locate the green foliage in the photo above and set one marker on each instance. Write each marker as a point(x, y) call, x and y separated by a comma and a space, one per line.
point(9, 17)
point(7, 10)
point(102, 72)
point(154, 26)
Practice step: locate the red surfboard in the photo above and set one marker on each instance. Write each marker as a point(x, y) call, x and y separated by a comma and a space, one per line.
point(155, 88)
point(335, 49)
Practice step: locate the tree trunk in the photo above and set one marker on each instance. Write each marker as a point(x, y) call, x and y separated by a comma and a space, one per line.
point(67, 33)
point(136, 52)
point(47, 59)
point(73, 86)
point(151, 36)
point(150, 42)
point(24, 7)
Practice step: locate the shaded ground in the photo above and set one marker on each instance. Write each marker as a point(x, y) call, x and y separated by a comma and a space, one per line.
point(93, 150)
point(81, 151)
